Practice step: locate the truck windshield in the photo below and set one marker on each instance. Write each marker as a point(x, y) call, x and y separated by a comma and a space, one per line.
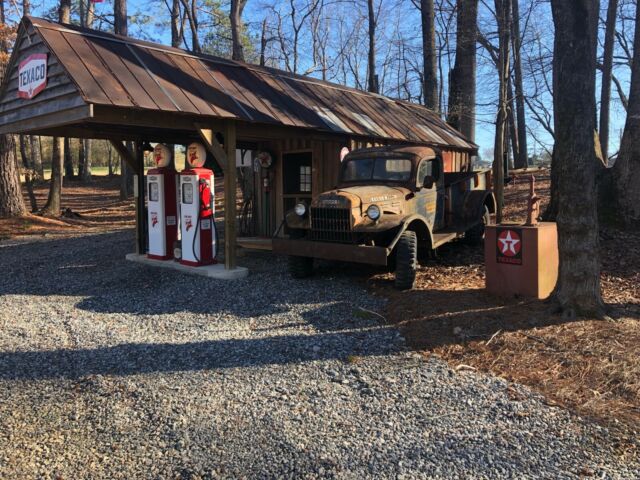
point(386, 169)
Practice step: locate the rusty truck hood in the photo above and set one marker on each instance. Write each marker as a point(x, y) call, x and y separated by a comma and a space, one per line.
point(362, 196)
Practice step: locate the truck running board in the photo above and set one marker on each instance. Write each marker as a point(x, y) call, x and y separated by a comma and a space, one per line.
point(441, 238)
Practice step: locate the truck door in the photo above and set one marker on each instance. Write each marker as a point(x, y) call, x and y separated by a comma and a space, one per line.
point(438, 173)
point(431, 192)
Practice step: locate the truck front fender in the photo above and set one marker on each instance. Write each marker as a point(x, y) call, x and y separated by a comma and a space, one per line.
point(418, 224)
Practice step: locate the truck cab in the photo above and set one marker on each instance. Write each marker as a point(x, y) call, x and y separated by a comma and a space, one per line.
point(389, 204)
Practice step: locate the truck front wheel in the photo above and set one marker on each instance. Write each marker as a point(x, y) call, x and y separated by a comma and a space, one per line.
point(406, 260)
point(300, 267)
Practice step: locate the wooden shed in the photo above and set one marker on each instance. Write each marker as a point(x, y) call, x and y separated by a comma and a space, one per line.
point(104, 86)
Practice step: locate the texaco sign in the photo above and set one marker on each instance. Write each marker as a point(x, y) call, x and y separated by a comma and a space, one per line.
point(32, 75)
point(509, 246)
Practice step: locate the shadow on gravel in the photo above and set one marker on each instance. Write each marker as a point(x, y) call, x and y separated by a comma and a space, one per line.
point(93, 268)
point(133, 359)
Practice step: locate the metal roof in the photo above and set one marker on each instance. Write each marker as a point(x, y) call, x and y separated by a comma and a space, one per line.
point(120, 71)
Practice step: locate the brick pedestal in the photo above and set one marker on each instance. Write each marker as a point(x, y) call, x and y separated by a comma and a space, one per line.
point(521, 260)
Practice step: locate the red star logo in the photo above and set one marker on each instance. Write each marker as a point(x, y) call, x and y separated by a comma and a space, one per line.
point(509, 243)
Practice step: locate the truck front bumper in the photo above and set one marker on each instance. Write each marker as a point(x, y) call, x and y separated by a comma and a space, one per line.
point(332, 251)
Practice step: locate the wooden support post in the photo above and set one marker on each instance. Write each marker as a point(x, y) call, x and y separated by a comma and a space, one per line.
point(139, 193)
point(230, 212)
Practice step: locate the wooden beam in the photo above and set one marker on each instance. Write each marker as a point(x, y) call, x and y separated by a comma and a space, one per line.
point(130, 117)
point(54, 119)
point(210, 142)
point(125, 154)
point(230, 213)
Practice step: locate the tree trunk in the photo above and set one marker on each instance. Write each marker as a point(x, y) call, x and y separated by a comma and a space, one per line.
point(574, 68)
point(192, 16)
point(263, 43)
point(514, 136)
point(235, 17)
point(521, 155)
point(110, 159)
point(372, 85)
point(86, 173)
point(626, 171)
point(28, 173)
point(52, 207)
point(64, 12)
point(607, 69)
point(176, 31)
point(36, 157)
point(80, 158)
point(503, 9)
point(462, 85)
point(11, 201)
point(120, 22)
point(429, 56)
point(68, 160)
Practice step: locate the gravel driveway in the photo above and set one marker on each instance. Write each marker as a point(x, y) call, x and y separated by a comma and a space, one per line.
point(114, 370)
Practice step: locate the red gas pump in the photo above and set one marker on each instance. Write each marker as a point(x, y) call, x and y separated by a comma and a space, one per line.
point(162, 206)
point(198, 228)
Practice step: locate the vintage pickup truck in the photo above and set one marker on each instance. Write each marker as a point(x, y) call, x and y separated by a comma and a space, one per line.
point(391, 204)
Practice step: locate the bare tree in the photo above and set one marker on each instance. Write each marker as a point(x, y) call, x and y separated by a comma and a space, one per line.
point(607, 71)
point(574, 67)
point(235, 17)
point(191, 12)
point(462, 86)
point(503, 11)
point(429, 55)
point(120, 20)
point(372, 84)
point(626, 170)
point(521, 154)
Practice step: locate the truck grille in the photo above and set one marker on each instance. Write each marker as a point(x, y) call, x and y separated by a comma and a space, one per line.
point(331, 225)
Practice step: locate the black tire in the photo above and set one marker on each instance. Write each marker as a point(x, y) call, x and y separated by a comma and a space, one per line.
point(475, 235)
point(300, 267)
point(406, 261)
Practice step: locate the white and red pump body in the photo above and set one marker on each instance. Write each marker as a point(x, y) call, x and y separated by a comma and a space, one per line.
point(162, 205)
point(197, 225)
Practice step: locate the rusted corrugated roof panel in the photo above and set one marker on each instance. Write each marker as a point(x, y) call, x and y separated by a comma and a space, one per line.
point(124, 72)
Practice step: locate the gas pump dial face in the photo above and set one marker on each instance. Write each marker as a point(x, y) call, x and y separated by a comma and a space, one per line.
point(196, 155)
point(161, 155)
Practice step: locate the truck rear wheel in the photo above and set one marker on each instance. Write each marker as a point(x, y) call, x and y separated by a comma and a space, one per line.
point(475, 234)
point(406, 261)
point(300, 267)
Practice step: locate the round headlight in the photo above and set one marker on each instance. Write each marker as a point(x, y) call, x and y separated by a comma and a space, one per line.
point(373, 212)
point(300, 209)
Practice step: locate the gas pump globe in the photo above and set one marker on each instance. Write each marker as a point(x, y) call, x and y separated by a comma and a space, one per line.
point(162, 206)
point(197, 228)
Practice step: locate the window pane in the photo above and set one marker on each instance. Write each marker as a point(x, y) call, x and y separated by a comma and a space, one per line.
point(187, 193)
point(153, 191)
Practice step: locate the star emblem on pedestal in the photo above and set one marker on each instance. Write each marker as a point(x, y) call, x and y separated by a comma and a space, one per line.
point(509, 243)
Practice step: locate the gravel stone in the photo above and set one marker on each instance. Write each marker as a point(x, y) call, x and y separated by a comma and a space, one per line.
point(113, 370)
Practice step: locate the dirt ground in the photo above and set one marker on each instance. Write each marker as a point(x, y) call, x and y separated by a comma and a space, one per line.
point(93, 207)
point(588, 365)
